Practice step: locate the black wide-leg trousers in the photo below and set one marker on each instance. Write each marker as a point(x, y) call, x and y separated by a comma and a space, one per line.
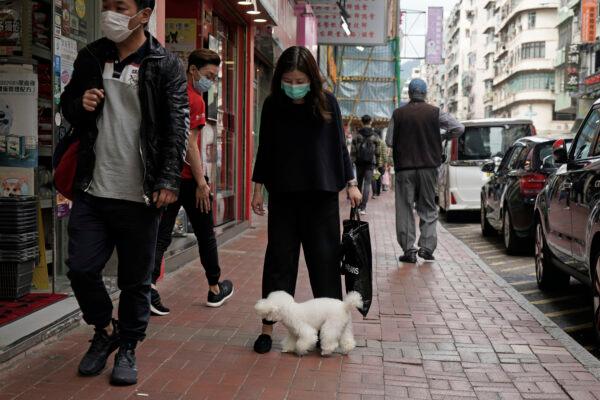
point(310, 220)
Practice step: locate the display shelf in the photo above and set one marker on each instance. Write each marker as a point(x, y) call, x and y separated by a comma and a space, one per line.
point(45, 151)
point(41, 52)
point(46, 203)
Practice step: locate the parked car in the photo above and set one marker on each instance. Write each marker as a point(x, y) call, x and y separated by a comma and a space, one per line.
point(461, 178)
point(567, 212)
point(508, 198)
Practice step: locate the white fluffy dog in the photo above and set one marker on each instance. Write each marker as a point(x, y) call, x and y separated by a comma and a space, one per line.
point(331, 317)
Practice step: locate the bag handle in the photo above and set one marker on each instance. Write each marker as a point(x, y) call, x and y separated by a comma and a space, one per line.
point(354, 214)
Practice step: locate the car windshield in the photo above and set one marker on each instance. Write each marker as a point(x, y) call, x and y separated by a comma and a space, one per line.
point(485, 142)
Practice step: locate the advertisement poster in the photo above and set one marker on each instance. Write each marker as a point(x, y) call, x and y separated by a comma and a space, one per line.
point(18, 119)
point(180, 36)
point(74, 21)
point(66, 49)
point(16, 182)
point(10, 27)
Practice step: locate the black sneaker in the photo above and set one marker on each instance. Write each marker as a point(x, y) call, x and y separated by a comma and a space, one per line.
point(103, 344)
point(156, 306)
point(263, 344)
point(225, 292)
point(125, 371)
point(409, 258)
point(426, 254)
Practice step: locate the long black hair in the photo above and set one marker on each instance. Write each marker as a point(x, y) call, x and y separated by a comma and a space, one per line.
point(298, 58)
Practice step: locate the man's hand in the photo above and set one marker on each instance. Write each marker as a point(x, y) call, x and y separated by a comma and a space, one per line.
point(164, 197)
point(355, 196)
point(92, 98)
point(203, 197)
point(258, 203)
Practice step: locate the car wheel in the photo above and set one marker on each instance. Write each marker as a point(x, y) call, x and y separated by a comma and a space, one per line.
point(596, 296)
point(510, 240)
point(548, 276)
point(486, 229)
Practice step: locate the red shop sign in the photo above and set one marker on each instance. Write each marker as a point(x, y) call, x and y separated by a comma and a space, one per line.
point(592, 80)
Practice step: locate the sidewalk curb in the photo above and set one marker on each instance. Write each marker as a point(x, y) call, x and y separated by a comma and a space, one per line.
point(591, 363)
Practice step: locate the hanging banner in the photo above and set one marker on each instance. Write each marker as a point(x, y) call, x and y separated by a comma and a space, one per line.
point(18, 119)
point(572, 69)
point(435, 36)
point(589, 10)
point(367, 20)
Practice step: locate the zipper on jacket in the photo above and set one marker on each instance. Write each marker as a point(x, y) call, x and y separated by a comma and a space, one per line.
point(145, 196)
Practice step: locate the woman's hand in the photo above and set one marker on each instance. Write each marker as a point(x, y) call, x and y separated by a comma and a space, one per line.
point(355, 196)
point(258, 201)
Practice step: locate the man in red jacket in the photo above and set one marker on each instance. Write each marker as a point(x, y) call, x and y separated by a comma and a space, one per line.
point(195, 195)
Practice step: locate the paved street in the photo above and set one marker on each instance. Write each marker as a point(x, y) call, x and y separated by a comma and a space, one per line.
point(445, 330)
point(569, 308)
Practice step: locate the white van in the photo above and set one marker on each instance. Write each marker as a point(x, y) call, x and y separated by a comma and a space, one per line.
point(460, 176)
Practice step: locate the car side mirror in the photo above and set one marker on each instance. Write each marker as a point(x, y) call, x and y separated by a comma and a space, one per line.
point(560, 156)
point(489, 167)
point(559, 152)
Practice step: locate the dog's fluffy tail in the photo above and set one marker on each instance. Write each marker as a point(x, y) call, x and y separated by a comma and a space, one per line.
point(353, 299)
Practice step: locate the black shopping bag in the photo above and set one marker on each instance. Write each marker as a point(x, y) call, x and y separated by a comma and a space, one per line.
point(357, 259)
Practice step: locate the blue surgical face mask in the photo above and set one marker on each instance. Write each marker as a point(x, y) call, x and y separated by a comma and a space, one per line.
point(295, 92)
point(203, 84)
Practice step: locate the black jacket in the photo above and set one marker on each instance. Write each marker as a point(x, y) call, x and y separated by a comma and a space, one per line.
point(165, 113)
point(298, 151)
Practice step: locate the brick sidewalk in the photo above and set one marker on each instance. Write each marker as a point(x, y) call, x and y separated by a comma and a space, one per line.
point(446, 330)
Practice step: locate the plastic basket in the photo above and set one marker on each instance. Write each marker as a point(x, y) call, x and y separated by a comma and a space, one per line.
point(16, 279)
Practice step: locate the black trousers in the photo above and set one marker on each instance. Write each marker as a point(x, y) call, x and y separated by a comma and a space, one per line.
point(96, 227)
point(364, 175)
point(310, 220)
point(203, 225)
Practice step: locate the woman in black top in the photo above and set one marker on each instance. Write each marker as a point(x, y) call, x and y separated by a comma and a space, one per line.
point(303, 162)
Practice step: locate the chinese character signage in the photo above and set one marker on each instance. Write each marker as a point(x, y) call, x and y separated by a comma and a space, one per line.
point(181, 36)
point(589, 9)
point(367, 22)
point(435, 35)
point(18, 119)
point(10, 27)
point(572, 69)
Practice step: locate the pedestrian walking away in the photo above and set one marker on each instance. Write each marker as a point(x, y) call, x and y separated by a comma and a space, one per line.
point(416, 142)
point(303, 163)
point(128, 169)
point(366, 155)
point(195, 194)
point(379, 171)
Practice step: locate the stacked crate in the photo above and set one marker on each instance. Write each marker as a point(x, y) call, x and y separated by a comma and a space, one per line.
point(18, 245)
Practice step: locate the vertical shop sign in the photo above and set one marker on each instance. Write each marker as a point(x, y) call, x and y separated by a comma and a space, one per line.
point(18, 119)
point(367, 22)
point(435, 35)
point(572, 69)
point(589, 10)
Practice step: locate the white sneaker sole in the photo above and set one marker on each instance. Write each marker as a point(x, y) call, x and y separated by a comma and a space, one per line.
point(219, 304)
point(154, 311)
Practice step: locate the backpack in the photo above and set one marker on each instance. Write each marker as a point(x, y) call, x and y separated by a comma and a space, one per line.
point(367, 148)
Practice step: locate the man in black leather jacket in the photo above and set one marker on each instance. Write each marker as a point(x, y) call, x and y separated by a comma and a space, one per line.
point(127, 102)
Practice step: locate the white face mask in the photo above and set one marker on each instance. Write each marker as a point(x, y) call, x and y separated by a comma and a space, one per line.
point(115, 26)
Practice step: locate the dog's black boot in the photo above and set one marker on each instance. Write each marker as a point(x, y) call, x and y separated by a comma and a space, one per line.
point(263, 344)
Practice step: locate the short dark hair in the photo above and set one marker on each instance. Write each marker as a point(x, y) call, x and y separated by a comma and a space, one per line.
point(142, 4)
point(366, 119)
point(202, 57)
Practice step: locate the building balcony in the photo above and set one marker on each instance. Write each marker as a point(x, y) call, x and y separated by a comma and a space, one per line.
point(488, 97)
point(539, 64)
point(523, 6)
point(564, 14)
point(490, 48)
point(564, 103)
point(524, 96)
point(561, 57)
